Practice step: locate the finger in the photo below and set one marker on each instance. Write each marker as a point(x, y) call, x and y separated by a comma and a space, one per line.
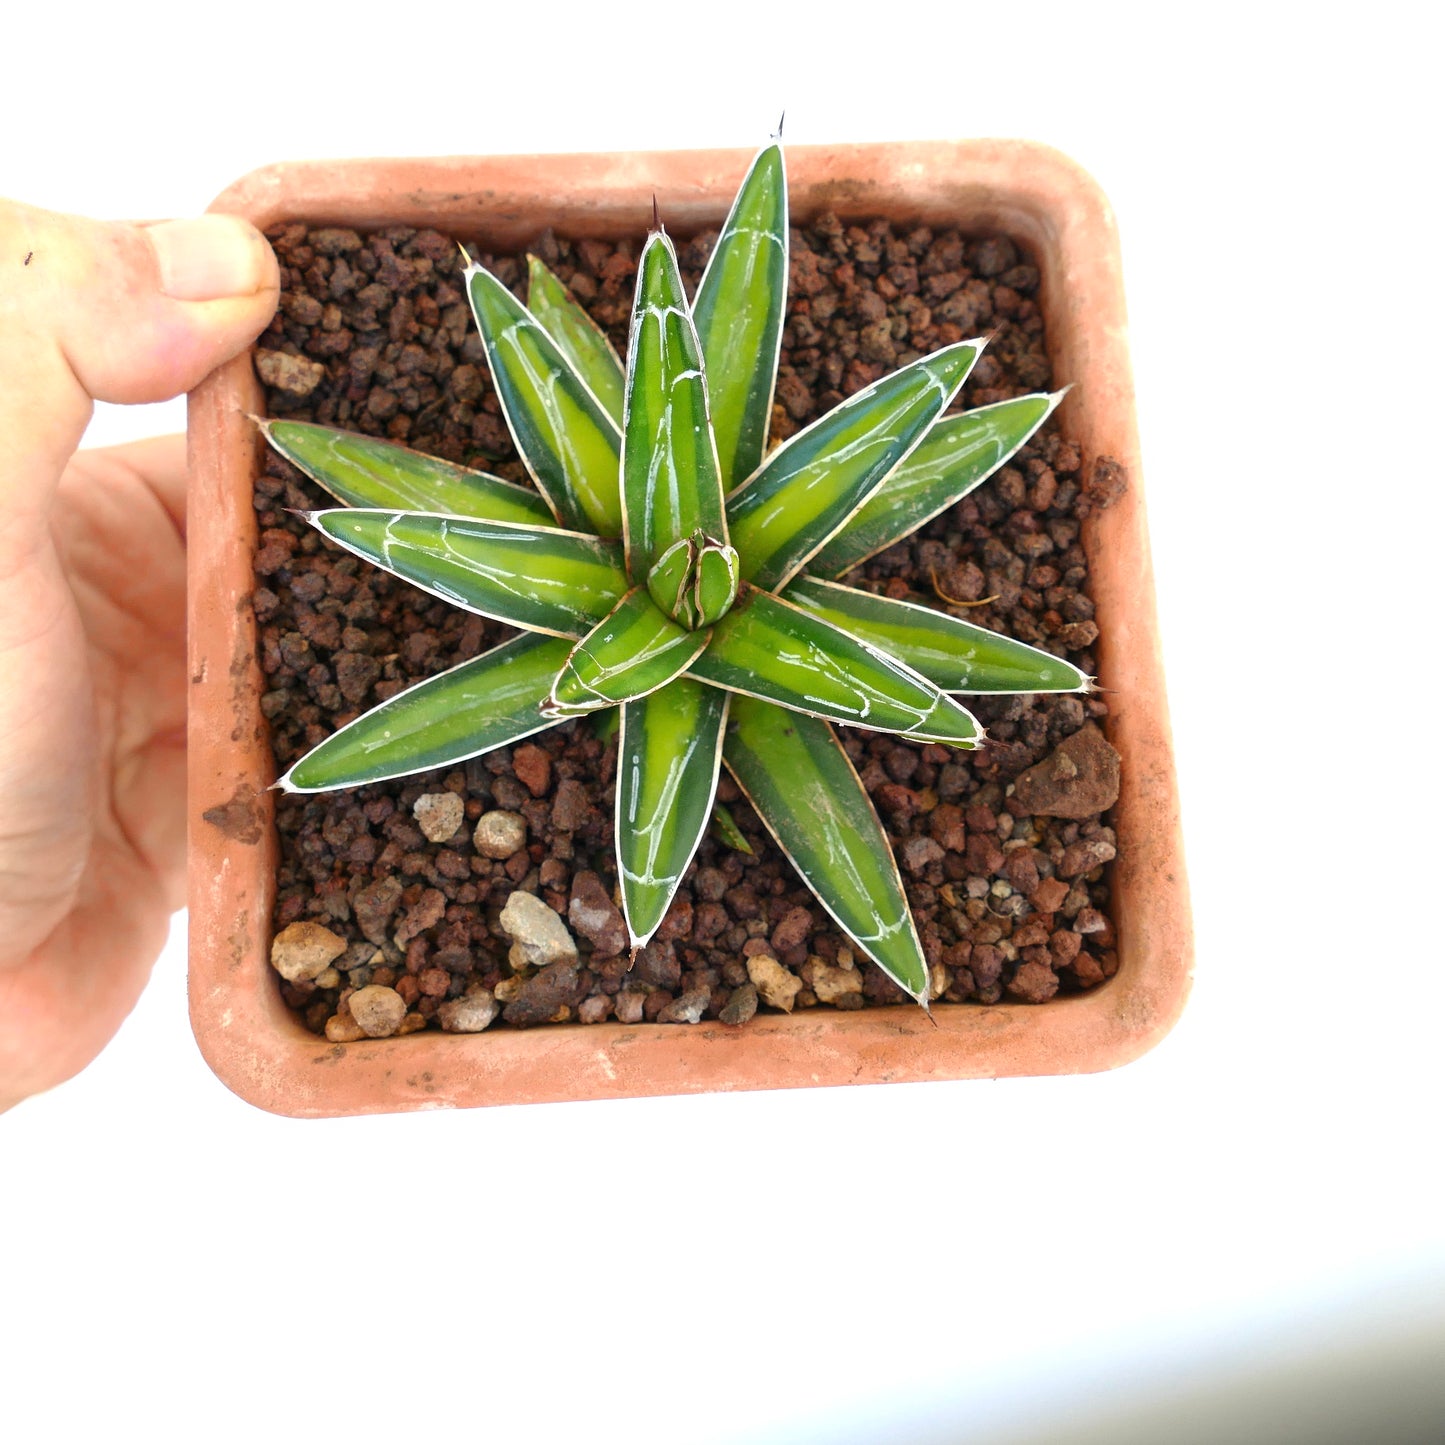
point(157, 462)
point(112, 311)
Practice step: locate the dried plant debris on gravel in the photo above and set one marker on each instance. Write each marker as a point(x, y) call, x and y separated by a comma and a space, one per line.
point(485, 894)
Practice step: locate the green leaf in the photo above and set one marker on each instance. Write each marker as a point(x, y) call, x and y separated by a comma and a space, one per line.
point(739, 315)
point(695, 581)
point(958, 454)
point(715, 584)
point(564, 435)
point(578, 336)
point(952, 654)
point(606, 723)
point(365, 472)
point(805, 790)
point(667, 770)
point(771, 649)
point(632, 652)
point(815, 482)
point(541, 578)
point(670, 487)
point(729, 831)
point(482, 704)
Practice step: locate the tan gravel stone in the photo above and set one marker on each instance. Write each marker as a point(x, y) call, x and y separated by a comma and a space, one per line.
point(304, 950)
point(538, 935)
point(438, 815)
point(469, 1014)
point(378, 1010)
point(830, 984)
point(774, 983)
point(499, 834)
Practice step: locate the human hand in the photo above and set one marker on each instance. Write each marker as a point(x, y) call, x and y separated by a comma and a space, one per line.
point(92, 609)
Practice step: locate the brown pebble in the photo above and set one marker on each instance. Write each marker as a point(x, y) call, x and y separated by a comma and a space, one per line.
point(594, 1010)
point(434, 982)
point(1078, 779)
point(793, 929)
point(343, 1029)
point(687, 1008)
point(595, 916)
point(1084, 856)
point(1034, 983)
point(534, 768)
point(294, 375)
point(628, 1005)
point(742, 1004)
point(1049, 895)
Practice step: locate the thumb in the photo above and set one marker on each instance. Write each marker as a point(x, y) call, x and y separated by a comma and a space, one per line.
point(112, 311)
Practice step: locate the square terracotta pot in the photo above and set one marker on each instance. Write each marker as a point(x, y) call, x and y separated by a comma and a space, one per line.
point(259, 1048)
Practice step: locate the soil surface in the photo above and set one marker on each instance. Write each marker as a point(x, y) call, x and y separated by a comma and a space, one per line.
point(401, 887)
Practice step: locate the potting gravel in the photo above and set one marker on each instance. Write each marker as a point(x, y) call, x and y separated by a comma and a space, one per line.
point(487, 891)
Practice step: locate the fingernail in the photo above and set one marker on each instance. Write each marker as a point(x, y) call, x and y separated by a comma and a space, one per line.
point(208, 258)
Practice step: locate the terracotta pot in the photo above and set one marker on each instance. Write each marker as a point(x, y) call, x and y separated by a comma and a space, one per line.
point(256, 1045)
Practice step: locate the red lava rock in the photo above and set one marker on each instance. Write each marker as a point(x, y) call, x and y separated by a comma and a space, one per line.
point(425, 913)
point(571, 808)
point(1032, 930)
point(986, 964)
point(793, 929)
point(545, 995)
point(687, 1008)
point(896, 803)
point(374, 906)
point(1021, 869)
point(710, 921)
point(742, 902)
point(595, 916)
point(629, 1006)
point(982, 855)
point(594, 1010)
point(742, 1004)
point(917, 853)
point(1064, 946)
point(434, 982)
point(657, 965)
point(533, 767)
point(1084, 856)
point(677, 922)
point(945, 824)
point(356, 674)
point(710, 884)
point(1078, 779)
point(980, 819)
point(1034, 983)
point(1049, 895)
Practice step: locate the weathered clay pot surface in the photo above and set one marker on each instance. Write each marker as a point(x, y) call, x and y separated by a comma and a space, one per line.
point(261, 1050)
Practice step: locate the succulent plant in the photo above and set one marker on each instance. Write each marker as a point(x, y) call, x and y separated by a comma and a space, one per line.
point(669, 566)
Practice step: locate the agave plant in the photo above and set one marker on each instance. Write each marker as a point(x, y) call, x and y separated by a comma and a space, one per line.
point(670, 567)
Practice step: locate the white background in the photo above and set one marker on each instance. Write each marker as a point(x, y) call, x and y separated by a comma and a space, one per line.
point(1239, 1236)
